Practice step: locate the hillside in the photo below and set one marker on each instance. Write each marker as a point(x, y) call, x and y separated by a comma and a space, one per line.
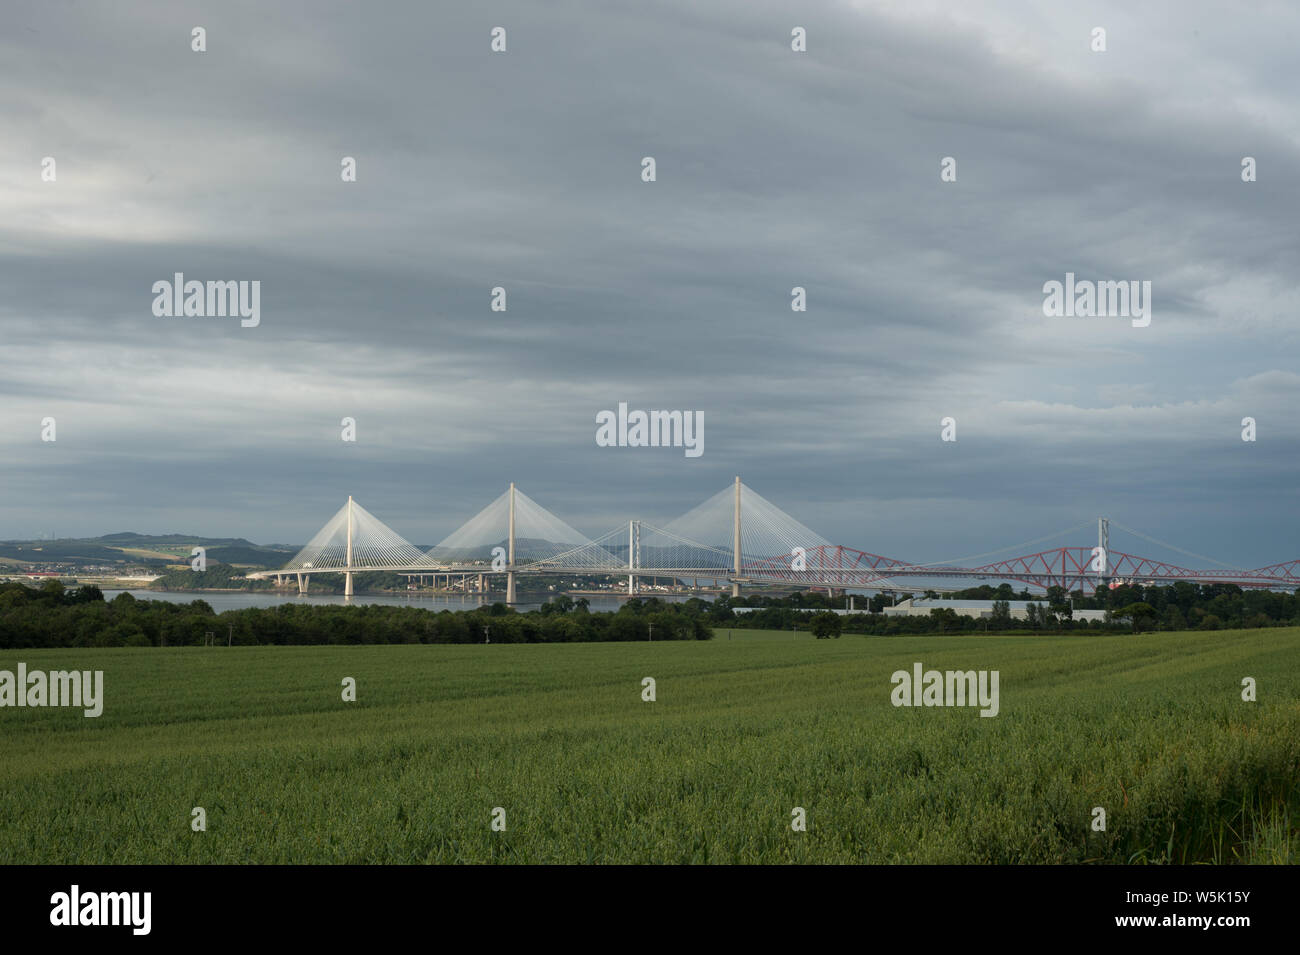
point(128, 549)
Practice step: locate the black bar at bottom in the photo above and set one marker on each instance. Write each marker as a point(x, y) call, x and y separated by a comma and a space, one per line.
point(212, 904)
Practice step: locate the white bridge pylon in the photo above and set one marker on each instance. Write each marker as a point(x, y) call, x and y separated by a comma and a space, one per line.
point(515, 533)
point(355, 540)
point(739, 535)
point(734, 535)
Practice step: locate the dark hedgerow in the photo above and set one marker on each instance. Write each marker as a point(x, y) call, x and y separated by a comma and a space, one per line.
point(56, 617)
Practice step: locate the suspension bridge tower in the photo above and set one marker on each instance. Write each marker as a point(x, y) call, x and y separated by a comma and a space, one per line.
point(633, 554)
point(510, 559)
point(1103, 553)
point(735, 548)
point(347, 577)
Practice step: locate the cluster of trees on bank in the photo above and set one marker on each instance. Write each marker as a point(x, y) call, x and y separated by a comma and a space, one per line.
point(226, 577)
point(1180, 606)
point(216, 577)
point(219, 576)
point(55, 616)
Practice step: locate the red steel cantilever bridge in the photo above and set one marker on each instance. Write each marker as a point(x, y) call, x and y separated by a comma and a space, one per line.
point(735, 536)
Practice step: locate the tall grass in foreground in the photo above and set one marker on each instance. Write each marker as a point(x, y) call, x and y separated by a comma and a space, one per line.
point(1151, 728)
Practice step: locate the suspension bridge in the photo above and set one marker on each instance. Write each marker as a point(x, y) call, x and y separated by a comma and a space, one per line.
point(735, 537)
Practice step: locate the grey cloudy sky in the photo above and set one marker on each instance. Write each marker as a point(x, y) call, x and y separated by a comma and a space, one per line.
point(775, 169)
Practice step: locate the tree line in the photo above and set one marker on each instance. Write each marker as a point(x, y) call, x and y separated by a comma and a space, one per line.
point(1129, 607)
point(55, 616)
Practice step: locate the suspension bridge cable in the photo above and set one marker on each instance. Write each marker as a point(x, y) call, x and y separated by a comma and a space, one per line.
point(1185, 553)
point(962, 560)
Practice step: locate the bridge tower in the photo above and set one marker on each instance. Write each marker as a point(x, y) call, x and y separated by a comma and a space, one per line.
point(735, 584)
point(347, 587)
point(510, 566)
point(1103, 544)
point(633, 554)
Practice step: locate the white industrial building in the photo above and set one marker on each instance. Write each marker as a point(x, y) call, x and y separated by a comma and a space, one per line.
point(978, 609)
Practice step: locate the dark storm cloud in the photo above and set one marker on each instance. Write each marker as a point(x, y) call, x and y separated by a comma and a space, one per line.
point(775, 169)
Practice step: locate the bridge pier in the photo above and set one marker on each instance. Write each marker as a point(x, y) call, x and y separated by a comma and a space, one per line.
point(480, 584)
point(302, 584)
point(347, 585)
point(510, 587)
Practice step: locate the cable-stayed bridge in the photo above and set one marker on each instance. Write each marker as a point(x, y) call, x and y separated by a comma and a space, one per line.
point(736, 536)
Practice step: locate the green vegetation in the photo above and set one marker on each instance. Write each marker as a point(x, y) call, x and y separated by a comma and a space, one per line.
point(1181, 606)
point(56, 617)
point(221, 576)
point(825, 625)
point(1152, 728)
point(141, 550)
point(217, 577)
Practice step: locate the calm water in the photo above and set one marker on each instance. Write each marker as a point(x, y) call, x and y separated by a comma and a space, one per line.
point(240, 600)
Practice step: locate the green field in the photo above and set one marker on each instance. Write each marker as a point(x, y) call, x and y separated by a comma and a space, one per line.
point(1150, 727)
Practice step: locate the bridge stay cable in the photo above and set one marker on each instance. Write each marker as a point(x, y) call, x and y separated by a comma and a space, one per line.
point(702, 541)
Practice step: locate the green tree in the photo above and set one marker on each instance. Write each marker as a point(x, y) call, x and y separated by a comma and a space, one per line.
point(87, 593)
point(825, 625)
point(945, 618)
point(1139, 612)
point(1001, 616)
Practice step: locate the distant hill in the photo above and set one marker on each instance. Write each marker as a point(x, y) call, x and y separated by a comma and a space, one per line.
point(250, 554)
point(42, 552)
point(168, 541)
point(148, 550)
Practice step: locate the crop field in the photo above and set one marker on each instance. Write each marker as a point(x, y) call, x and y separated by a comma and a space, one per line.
point(1151, 728)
